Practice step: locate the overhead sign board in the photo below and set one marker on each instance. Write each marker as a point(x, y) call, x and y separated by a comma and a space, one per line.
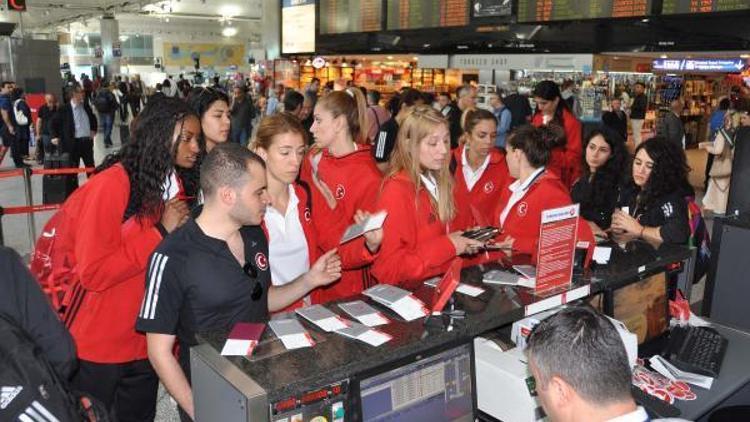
point(571, 62)
point(297, 26)
point(700, 65)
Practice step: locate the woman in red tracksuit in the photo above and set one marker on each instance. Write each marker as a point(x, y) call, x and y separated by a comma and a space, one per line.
point(480, 171)
point(113, 223)
point(552, 110)
point(344, 179)
point(417, 194)
point(534, 190)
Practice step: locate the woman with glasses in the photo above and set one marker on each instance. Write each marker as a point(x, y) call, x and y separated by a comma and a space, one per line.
point(343, 178)
point(418, 195)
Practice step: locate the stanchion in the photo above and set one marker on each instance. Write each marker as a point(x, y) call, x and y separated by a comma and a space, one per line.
point(2, 238)
point(31, 221)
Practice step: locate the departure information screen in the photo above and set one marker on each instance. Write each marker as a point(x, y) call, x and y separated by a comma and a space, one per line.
point(671, 7)
point(555, 10)
point(415, 14)
point(344, 16)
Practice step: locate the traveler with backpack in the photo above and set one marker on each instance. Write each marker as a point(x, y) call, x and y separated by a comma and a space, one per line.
point(22, 121)
point(105, 103)
point(7, 126)
point(103, 236)
point(74, 127)
point(382, 131)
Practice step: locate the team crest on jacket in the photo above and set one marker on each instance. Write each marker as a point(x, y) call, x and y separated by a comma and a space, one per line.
point(307, 214)
point(340, 191)
point(489, 187)
point(522, 208)
point(261, 261)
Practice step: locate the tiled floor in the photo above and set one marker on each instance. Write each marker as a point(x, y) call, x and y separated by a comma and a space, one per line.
point(16, 229)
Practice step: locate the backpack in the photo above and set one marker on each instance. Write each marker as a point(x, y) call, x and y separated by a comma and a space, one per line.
point(103, 102)
point(20, 116)
point(51, 260)
point(30, 389)
point(385, 138)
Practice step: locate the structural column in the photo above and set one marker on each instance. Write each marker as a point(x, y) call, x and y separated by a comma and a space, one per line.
point(112, 48)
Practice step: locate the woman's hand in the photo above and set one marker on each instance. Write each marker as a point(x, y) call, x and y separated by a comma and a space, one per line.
point(464, 245)
point(624, 227)
point(373, 238)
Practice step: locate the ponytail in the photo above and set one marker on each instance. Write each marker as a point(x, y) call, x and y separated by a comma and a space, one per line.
point(352, 104)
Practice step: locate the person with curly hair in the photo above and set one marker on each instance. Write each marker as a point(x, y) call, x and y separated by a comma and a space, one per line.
point(112, 225)
point(652, 204)
point(604, 161)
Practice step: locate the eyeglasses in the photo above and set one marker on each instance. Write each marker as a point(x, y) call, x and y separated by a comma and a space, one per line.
point(252, 272)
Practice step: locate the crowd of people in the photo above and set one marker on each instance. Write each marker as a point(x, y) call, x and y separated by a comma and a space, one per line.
point(194, 225)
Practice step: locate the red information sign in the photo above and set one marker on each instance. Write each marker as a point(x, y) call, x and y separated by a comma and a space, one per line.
point(557, 242)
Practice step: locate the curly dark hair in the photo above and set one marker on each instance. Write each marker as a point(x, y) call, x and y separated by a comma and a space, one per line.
point(613, 174)
point(669, 174)
point(149, 155)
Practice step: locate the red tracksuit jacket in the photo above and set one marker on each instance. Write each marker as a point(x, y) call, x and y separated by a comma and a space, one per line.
point(354, 180)
point(485, 194)
point(525, 217)
point(415, 242)
point(109, 260)
point(566, 163)
point(304, 211)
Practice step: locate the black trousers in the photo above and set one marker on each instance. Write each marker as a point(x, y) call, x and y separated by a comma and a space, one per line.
point(13, 142)
point(82, 149)
point(127, 389)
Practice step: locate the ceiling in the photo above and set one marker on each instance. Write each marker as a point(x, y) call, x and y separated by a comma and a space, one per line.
point(187, 17)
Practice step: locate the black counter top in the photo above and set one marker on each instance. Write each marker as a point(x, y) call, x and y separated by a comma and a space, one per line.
point(286, 373)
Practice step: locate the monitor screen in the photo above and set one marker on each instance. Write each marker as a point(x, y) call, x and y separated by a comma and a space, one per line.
point(438, 387)
point(643, 307)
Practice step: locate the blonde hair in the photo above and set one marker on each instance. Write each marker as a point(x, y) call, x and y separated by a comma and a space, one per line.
point(352, 104)
point(420, 123)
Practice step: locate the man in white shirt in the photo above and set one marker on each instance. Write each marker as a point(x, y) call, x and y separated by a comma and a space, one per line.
point(581, 369)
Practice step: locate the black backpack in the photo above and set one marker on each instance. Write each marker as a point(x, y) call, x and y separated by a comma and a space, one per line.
point(104, 101)
point(30, 389)
point(385, 139)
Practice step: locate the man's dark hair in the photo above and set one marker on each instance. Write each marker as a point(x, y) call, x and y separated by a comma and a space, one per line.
point(724, 104)
point(313, 80)
point(641, 84)
point(532, 142)
point(226, 165)
point(373, 96)
point(293, 100)
point(6, 83)
point(583, 348)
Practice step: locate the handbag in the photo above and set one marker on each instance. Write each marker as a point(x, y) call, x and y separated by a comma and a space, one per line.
point(722, 165)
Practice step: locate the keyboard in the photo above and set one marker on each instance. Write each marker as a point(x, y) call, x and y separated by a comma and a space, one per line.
point(699, 350)
point(656, 407)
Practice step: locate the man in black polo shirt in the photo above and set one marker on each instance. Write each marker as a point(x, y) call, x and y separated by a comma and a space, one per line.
point(213, 272)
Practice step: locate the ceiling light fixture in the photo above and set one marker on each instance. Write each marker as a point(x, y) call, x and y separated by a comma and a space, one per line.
point(229, 31)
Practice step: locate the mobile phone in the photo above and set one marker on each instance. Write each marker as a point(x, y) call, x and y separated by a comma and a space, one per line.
point(482, 234)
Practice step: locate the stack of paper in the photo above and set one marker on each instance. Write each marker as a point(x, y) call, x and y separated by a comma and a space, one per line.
point(322, 317)
point(507, 278)
point(399, 300)
point(243, 339)
point(463, 288)
point(365, 334)
point(662, 366)
point(364, 313)
point(291, 333)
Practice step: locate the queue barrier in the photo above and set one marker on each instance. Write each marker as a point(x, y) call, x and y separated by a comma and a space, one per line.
point(30, 209)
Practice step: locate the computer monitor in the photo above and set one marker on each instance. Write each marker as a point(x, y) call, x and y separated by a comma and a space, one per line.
point(434, 387)
point(643, 307)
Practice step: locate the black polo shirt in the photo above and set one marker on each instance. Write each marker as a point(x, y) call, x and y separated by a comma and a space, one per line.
point(194, 284)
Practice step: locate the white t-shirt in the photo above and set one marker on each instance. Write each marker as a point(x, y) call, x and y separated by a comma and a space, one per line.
point(287, 245)
point(470, 176)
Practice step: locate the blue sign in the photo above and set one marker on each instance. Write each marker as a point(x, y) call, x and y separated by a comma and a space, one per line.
point(291, 3)
point(700, 65)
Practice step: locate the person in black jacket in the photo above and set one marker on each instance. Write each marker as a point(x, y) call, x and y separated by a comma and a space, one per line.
point(638, 110)
point(616, 119)
point(74, 128)
point(23, 302)
point(597, 190)
point(466, 98)
point(652, 204)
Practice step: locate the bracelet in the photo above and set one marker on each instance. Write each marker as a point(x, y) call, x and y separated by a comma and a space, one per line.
point(640, 235)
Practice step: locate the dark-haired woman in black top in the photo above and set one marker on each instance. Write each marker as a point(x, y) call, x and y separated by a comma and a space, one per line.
point(652, 204)
point(598, 188)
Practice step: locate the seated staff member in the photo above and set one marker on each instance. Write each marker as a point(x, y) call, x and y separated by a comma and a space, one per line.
point(552, 109)
point(343, 178)
point(417, 193)
point(214, 271)
point(655, 197)
point(479, 170)
point(535, 189)
point(598, 189)
point(109, 228)
point(288, 221)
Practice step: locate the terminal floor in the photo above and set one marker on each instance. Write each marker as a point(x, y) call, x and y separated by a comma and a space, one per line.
point(16, 232)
